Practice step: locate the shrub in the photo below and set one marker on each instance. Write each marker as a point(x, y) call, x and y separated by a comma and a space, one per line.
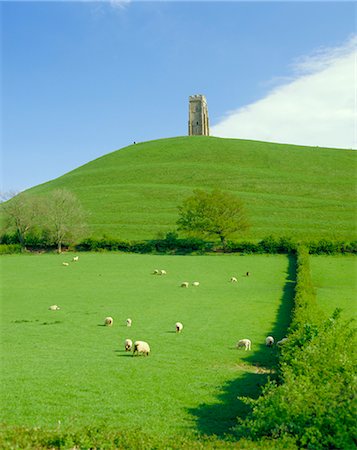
point(7, 249)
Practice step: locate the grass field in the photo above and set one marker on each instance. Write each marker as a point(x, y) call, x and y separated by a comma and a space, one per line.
point(65, 369)
point(335, 280)
point(288, 190)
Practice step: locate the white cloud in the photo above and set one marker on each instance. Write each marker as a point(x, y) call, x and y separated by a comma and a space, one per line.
point(317, 108)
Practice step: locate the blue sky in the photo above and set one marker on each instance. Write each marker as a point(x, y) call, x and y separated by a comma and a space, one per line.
point(82, 79)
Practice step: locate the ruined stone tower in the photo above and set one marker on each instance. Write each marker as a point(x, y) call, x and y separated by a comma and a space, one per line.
point(198, 116)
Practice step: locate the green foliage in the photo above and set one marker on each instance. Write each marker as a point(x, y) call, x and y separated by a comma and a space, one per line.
point(314, 402)
point(214, 213)
point(132, 194)
point(8, 249)
point(331, 247)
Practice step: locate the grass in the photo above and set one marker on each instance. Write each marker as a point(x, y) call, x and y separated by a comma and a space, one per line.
point(335, 280)
point(305, 192)
point(64, 370)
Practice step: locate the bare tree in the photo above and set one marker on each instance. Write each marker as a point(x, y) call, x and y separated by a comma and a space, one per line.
point(64, 218)
point(6, 195)
point(21, 215)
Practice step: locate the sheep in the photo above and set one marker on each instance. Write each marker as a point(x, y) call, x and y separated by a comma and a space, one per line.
point(163, 272)
point(141, 347)
point(178, 327)
point(65, 264)
point(75, 258)
point(185, 284)
point(54, 308)
point(156, 272)
point(282, 341)
point(128, 322)
point(246, 343)
point(247, 274)
point(234, 280)
point(269, 341)
point(128, 345)
point(196, 283)
point(108, 321)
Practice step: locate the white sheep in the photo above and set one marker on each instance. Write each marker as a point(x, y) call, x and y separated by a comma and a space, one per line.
point(65, 263)
point(163, 272)
point(196, 283)
point(234, 280)
point(141, 347)
point(128, 322)
point(128, 345)
point(246, 343)
point(54, 308)
point(75, 258)
point(156, 272)
point(179, 327)
point(108, 321)
point(185, 284)
point(282, 341)
point(269, 341)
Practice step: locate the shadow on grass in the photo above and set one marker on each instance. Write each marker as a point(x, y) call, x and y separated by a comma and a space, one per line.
point(56, 322)
point(221, 417)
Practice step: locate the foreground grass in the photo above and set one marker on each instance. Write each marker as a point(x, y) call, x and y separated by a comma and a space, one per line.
point(64, 370)
point(335, 281)
point(288, 190)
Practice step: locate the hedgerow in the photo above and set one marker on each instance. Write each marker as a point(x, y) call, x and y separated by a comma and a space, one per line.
point(172, 244)
point(312, 400)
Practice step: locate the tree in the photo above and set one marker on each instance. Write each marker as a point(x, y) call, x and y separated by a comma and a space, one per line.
point(214, 213)
point(65, 218)
point(21, 215)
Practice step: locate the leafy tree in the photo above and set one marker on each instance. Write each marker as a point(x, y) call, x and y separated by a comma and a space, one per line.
point(21, 215)
point(214, 213)
point(65, 218)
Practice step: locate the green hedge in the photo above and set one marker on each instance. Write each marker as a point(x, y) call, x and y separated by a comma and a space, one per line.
point(172, 244)
point(312, 401)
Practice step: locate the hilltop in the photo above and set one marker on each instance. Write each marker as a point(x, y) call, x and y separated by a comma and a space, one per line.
point(133, 193)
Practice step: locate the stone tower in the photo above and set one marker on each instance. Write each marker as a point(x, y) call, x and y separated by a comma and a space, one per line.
point(198, 116)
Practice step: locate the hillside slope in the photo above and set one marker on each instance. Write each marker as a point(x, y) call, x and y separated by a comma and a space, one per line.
point(133, 193)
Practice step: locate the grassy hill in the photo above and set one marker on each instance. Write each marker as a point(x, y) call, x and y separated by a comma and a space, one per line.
point(133, 193)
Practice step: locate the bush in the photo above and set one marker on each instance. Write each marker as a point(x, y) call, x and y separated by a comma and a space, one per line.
point(8, 249)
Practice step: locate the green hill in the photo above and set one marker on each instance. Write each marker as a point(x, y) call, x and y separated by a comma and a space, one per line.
point(133, 193)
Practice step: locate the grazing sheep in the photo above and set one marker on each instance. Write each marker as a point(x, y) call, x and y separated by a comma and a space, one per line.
point(196, 283)
point(75, 258)
point(141, 347)
point(269, 341)
point(185, 284)
point(54, 308)
point(65, 263)
point(108, 321)
point(247, 274)
point(178, 327)
point(156, 272)
point(128, 322)
point(128, 345)
point(234, 280)
point(163, 272)
point(246, 343)
point(282, 341)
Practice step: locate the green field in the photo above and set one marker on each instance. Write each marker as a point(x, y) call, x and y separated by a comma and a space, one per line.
point(65, 369)
point(335, 280)
point(133, 193)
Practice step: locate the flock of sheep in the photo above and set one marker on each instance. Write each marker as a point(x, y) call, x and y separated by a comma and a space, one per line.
point(142, 347)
